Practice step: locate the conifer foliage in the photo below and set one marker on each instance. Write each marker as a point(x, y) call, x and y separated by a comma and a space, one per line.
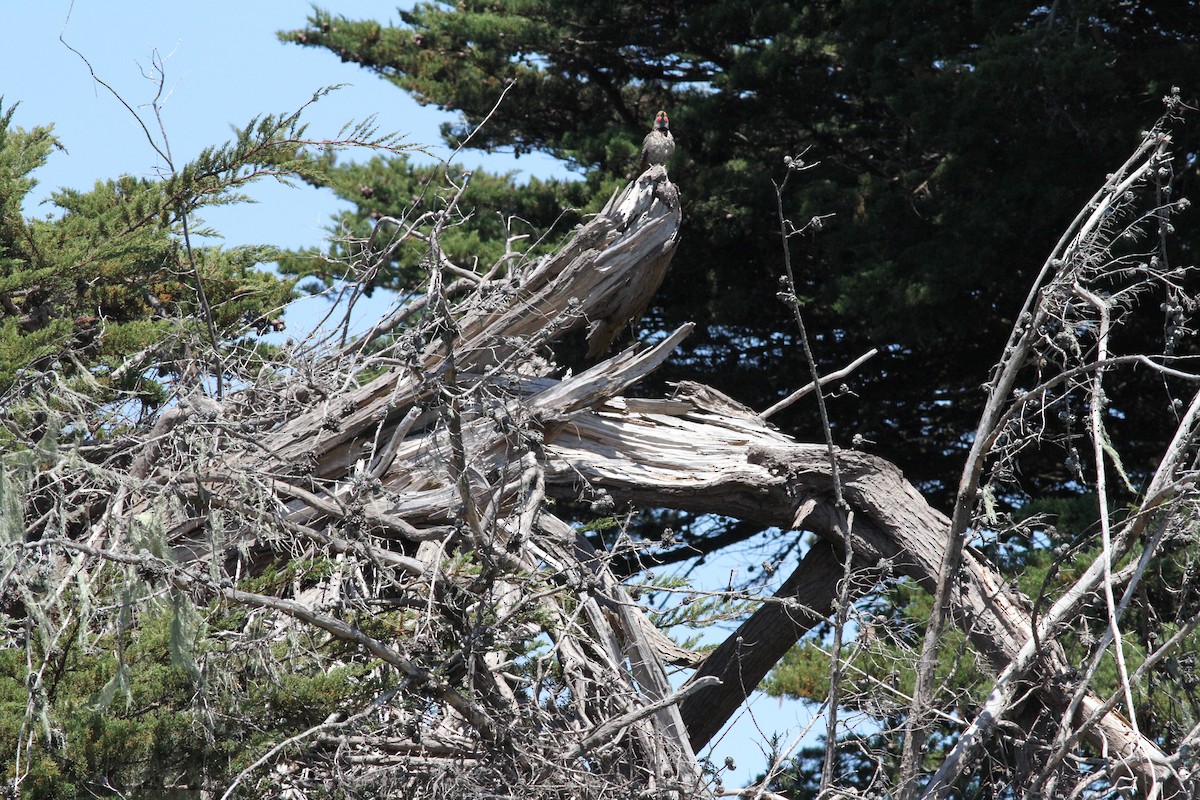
point(352, 567)
point(106, 288)
point(951, 143)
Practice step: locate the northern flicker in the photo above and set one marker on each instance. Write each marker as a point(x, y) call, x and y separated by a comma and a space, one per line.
point(658, 144)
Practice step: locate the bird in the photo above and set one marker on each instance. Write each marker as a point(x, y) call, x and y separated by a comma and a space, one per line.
point(658, 144)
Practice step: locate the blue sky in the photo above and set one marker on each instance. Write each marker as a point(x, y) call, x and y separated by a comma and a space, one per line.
point(224, 65)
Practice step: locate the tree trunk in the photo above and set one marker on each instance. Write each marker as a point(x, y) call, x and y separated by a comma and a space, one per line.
point(431, 481)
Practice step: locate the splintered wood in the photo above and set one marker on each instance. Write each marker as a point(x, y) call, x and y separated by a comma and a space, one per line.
point(430, 489)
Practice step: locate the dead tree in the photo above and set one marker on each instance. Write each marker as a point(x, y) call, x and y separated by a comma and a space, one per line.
point(421, 471)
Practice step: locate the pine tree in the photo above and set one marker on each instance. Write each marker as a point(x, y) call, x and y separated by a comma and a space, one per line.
point(113, 313)
point(116, 296)
point(949, 142)
point(106, 292)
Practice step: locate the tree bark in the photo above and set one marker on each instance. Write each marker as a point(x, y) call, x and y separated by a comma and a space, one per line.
point(744, 659)
point(699, 452)
point(454, 449)
point(708, 460)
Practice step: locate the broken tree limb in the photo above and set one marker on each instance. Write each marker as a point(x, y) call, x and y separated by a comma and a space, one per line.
point(417, 482)
point(599, 281)
point(394, 472)
point(807, 388)
point(1170, 478)
point(706, 461)
point(745, 657)
point(613, 726)
point(698, 451)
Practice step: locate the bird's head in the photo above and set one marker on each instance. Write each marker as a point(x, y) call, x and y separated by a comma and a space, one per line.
point(661, 123)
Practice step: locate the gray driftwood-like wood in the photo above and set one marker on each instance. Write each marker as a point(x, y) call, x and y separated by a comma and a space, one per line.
point(708, 460)
point(696, 451)
point(458, 445)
